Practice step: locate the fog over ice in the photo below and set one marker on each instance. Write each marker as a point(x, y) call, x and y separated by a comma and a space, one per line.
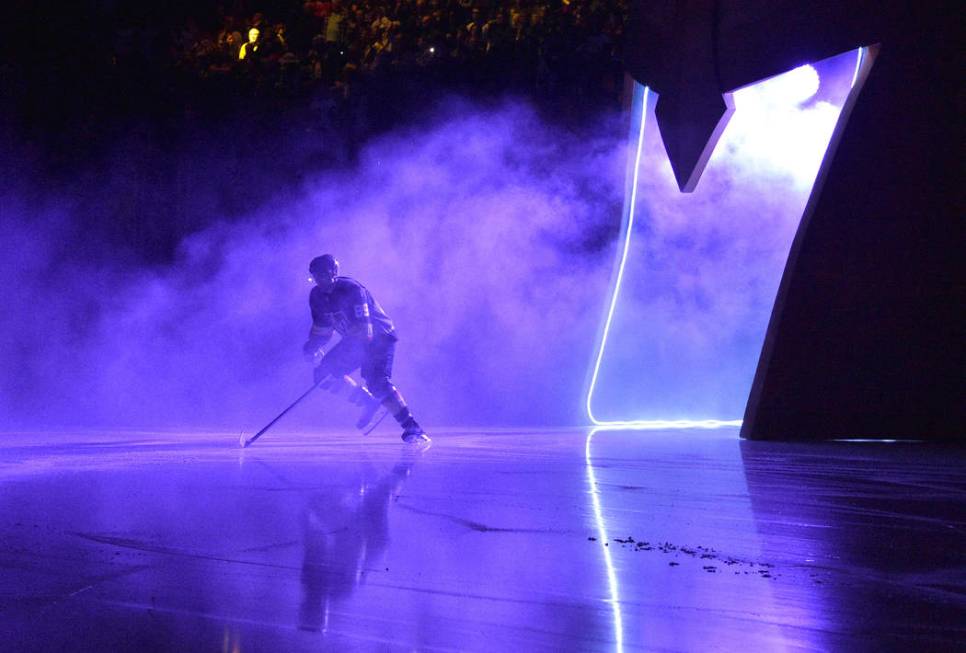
point(489, 238)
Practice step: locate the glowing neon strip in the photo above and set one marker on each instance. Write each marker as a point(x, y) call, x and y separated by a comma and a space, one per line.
point(641, 96)
point(602, 540)
point(858, 64)
point(628, 224)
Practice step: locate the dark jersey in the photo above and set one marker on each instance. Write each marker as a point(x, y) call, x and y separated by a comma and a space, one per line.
point(350, 309)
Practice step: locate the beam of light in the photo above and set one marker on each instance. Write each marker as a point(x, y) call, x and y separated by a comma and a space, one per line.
point(802, 84)
point(602, 540)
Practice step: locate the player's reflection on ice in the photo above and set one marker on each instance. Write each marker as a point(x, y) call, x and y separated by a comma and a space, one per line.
point(345, 532)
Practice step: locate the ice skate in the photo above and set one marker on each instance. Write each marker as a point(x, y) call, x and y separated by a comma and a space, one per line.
point(415, 435)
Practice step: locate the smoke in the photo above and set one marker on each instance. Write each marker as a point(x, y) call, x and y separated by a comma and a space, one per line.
point(489, 237)
point(472, 235)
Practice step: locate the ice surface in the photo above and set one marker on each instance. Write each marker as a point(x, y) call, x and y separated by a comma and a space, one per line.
point(487, 541)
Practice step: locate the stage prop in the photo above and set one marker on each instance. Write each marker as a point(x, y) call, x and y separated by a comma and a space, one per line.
point(866, 334)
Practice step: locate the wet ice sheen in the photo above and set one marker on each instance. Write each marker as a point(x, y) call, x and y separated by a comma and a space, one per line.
point(486, 541)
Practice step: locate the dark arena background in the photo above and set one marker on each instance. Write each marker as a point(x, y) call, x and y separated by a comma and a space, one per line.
point(678, 293)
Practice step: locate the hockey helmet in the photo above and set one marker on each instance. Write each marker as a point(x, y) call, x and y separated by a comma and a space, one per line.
point(324, 268)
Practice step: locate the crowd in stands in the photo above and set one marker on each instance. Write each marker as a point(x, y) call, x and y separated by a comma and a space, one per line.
point(198, 114)
point(552, 46)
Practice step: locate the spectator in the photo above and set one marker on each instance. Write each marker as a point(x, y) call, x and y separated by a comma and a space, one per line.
point(555, 47)
point(335, 25)
point(252, 46)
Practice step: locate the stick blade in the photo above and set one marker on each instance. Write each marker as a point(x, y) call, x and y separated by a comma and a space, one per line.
point(376, 421)
point(242, 441)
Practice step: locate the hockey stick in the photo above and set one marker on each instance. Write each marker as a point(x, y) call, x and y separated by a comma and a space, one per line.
point(377, 422)
point(244, 443)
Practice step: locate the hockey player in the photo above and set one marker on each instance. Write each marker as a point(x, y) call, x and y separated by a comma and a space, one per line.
point(343, 305)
